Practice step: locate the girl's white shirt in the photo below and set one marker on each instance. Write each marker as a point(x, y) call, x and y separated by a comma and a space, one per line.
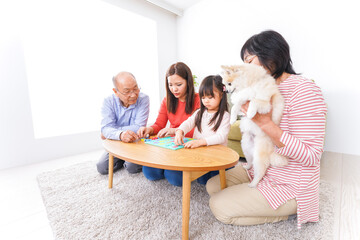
point(211, 137)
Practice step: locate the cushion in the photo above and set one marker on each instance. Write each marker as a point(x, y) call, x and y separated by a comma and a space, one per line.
point(235, 133)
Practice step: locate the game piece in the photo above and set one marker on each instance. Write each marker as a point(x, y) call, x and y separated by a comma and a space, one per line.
point(166, 142)
point(146, 138)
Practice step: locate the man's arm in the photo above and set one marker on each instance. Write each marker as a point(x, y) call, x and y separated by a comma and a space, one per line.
point(141, 115)
point(109, 129)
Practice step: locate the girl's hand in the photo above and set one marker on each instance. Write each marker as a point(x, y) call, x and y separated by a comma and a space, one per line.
point(179, 137)
point(195, 143)
point(145, 132)
point(166, 131)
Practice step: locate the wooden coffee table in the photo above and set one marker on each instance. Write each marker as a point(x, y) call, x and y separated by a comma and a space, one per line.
point(192, 162)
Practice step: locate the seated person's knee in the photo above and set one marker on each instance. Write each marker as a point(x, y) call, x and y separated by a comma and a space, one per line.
point(102, 169)
point(153, 174)
point(174, 177)
point(213, 185)
point(132, 167)
point(103, 164)
point(216, 207)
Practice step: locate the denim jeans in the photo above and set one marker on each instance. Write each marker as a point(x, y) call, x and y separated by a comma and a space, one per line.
point(173, 177)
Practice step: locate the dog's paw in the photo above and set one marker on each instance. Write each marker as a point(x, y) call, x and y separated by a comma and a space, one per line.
point(247, 166)
point(263, 107)
point(233, 119)
point(252, 184)
point(250, 113)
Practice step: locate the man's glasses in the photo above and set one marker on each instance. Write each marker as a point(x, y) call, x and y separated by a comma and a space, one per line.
point(129, 92)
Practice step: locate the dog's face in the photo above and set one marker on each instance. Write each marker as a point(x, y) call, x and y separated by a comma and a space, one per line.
point(229, 75)
point(237, 77)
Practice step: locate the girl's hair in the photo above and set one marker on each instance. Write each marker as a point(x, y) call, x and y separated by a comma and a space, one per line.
point(272, 50)
point(182, 70)
point(207, 87)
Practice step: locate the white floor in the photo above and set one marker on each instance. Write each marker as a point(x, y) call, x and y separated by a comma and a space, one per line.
point(23, 216)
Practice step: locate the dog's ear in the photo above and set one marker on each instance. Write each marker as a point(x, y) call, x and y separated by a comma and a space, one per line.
point(236, 69)
point(226, 70)
point(224, 67)
point(241, 68)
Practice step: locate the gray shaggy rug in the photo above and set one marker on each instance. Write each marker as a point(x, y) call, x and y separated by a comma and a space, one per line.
point(80, 206)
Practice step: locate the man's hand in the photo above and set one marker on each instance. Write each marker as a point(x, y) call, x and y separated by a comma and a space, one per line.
point(145, 132)
point(128, 136)
point(103, 137)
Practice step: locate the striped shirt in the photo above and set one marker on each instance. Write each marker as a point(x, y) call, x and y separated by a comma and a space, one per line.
point(303, 123)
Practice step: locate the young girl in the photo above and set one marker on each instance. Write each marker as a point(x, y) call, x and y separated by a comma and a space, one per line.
point(211, 121)
point(178, 105)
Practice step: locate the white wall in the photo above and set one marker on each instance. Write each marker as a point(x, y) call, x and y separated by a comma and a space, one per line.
point(324, 40)
point(17, 143)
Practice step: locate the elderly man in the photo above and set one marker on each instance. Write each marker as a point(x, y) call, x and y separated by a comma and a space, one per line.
point(123, 113)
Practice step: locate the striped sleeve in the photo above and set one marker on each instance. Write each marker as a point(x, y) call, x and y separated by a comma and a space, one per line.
point(305, 137)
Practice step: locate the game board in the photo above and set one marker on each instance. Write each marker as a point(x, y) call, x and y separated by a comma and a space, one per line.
point(166, 142)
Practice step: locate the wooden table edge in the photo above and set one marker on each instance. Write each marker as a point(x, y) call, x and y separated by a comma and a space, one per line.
point(190, 169)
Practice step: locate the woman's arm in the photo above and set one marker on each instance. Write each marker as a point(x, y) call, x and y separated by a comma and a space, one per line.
point(161, 119)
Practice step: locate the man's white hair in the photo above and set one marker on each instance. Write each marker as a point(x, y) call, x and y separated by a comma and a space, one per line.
point(122, 73)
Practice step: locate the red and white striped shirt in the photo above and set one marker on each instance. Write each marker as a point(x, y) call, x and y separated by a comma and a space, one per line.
point(303, 123)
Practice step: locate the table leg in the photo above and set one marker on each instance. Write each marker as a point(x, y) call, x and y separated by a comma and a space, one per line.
point(186, 204)
point(111, 169)
point(222, 178)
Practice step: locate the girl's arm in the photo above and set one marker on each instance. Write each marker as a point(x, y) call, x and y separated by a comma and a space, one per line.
point(179, 137)
point(195, 143)
point(189, 123)
point(221, 135)
point(186, 127)
point(218, 137)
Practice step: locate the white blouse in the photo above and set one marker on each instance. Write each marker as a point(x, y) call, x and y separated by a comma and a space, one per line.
point(211, 137)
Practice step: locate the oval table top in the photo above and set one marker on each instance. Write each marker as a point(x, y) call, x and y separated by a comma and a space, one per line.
point(208, 158)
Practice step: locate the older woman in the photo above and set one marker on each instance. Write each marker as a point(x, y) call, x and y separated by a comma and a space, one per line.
point(288, 191)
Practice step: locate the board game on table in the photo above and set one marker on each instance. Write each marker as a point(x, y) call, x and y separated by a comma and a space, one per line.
point(165, 142)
